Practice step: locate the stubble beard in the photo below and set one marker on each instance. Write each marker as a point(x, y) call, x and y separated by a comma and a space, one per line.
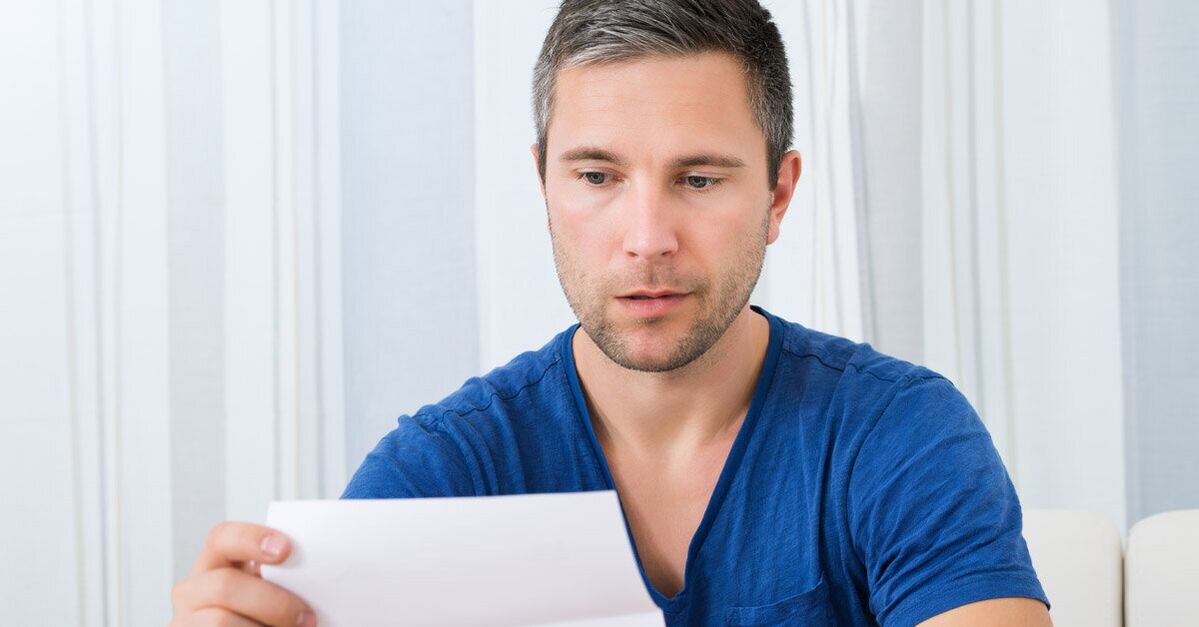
point(717, 308)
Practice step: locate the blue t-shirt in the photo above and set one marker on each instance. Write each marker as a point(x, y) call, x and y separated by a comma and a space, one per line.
point(861, 489)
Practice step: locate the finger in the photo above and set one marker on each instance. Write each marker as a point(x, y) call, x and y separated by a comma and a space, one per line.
point(247, 596)
point(216, 616)
point(252, 567)
point(232, 543)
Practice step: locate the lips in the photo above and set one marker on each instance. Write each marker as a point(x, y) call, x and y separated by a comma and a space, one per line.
point(644, 294)
point(651, 304)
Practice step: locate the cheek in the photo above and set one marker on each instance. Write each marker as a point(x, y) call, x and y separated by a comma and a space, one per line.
point(576, 246)
point(729, 232)
point(580, 223)
point(583, 223)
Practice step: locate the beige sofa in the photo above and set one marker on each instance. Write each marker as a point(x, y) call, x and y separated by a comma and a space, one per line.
point(1093, 580)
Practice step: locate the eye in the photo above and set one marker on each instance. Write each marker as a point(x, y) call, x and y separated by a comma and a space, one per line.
point(594, 178)
point(701, 182)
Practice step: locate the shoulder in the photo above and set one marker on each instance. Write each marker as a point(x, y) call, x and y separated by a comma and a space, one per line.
point(871, 408)
point(522, 410)
point(469, 442)
point(848, 374)
point(842, 355)
point(527, 379)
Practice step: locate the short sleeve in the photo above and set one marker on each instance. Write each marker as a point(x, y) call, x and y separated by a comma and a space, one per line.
point(932, 510)
point(416, 459)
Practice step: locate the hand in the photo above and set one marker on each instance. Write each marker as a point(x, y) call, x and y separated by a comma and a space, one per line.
point(225, 587)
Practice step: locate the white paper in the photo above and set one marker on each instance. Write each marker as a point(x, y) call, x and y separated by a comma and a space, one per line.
point(538, 559)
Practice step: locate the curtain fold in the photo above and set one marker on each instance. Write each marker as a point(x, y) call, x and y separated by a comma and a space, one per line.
point(1155, 61)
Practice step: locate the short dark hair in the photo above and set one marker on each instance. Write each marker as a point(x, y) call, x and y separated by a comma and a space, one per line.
point(600, 31)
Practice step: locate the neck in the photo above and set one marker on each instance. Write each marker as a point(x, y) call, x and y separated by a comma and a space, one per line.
point(677, 411)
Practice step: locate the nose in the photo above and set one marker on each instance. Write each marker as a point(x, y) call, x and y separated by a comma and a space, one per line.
point(650, 231)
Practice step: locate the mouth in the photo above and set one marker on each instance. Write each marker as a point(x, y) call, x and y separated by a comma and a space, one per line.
point(649, 295)
point(651, 304)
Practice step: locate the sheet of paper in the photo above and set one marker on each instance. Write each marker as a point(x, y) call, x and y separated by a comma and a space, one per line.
point(539, 559)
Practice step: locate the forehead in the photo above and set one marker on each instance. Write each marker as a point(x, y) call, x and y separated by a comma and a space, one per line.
point(656, 104)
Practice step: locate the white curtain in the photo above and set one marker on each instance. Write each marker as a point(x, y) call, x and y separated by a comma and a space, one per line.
point(1020, 246)
point(1155, 59)
point(1051, 272)
point(237, 240)
point(171, 259)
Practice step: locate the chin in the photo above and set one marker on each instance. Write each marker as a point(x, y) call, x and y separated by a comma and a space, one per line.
point(649, 354)
point(654, 339)
point(646, 363)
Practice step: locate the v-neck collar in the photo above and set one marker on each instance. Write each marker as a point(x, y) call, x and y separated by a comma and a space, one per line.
point(731, 463)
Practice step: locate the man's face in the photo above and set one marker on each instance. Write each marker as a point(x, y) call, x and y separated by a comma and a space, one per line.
point(659, 212)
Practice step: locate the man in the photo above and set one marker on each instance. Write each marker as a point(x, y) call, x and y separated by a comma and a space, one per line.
point(769, 474)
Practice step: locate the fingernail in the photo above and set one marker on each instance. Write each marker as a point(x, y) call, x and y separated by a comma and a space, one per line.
point(306, 618)
point(272, 545)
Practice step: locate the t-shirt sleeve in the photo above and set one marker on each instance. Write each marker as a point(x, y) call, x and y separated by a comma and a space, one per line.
point(416, 459)
point(933, 512)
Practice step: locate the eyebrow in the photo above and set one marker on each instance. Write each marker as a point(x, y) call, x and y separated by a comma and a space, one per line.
point(719, 161)
point(590, 153)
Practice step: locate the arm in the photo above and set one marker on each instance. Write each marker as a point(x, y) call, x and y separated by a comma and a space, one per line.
point(934, 515)
point(994, 613)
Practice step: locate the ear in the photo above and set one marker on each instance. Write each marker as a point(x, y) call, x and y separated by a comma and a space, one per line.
point(784, 190)
point(537, 168)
